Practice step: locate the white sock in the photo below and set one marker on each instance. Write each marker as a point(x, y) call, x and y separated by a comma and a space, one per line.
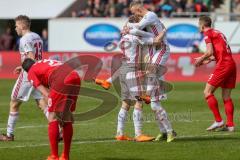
point(110, 80)
point(161, 117)
point(137, 120)
point(161, 126)
point(12, 119)
point(114, 76)
point(122, 116)
point(45, 112)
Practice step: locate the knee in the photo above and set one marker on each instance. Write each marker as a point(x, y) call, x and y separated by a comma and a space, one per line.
point(125, 105)
point(226, 97)
point(42, 104)
point(156, 106)
point(138, 105)
point(14, 106)
point(207, 92)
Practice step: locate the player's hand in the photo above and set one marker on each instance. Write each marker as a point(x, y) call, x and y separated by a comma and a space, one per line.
point(198, 61)
point(17, 70)
point(125, 30)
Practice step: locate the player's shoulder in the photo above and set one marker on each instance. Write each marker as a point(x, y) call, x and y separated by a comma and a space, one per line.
point(151, 14)
point(208, 33)
point(31, 36)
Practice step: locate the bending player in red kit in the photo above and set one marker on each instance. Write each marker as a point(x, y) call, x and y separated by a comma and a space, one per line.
point(60, 85)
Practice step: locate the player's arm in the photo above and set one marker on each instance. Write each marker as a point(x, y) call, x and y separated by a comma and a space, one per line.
point(206, 57)
point(153, 41)
point(146, 21)
point(29, 50)
point(30, 55)
point(141, 33)
point(18, 69)
point(160, 37)
point(44, 91)
point(212, 58)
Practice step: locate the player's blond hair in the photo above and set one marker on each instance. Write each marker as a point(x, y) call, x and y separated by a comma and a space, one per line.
point(206, 21)
point(25, 20)
point(136, 3)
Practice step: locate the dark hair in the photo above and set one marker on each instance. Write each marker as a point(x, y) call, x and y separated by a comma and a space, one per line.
point(24, 19)
point(206, 21)
point(134, 19)
point(27, 64)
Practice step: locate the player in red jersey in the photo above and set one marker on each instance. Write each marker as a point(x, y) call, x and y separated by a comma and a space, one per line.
point(60, 85)
point(223, 76)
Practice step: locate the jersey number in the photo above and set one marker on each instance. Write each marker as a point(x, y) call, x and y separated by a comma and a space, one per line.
point(38, 49)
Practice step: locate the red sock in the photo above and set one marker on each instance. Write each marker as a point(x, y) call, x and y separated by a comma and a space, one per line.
point(67, 138)
point(213, 105)
point(229, 109)
point(53, 133)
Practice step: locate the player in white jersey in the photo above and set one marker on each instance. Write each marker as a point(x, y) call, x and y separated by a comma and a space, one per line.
point(151, 22)
point(30, 47)
point(130, 81)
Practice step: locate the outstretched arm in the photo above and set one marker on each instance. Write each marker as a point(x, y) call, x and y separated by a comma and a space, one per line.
point(153, 41)
point(141, 33)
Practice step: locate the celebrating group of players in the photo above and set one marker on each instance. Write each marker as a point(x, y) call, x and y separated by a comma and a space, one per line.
point(140, 80)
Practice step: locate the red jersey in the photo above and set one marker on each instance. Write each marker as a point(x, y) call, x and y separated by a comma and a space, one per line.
point(221, 49)
point(40, 72)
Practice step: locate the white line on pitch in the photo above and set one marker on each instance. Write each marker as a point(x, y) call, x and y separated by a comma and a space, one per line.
point(94, 123)
point(113, 141)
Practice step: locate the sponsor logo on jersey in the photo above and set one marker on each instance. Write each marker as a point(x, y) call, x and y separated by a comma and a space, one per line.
point(100, 34)
point(183, 35)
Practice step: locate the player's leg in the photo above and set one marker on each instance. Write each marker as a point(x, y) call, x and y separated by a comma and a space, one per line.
point(42, 104)
point(53, 133)
point(123, 113)
point(138, 118)
point(12, 119)
point(228, 85)
point(229, 108)
point(213, 105)
point(138, 123)
point(67, 131)
point(19, 94)
point(166, 130)
point(40, 101)
point(66, 116)
point(155, 70)
point(122, 117)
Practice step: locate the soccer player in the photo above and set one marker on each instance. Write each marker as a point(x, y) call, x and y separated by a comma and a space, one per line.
point(30, 47)
point(130, 81)
point(62, 97)
point(224, 74)
point(158, 57)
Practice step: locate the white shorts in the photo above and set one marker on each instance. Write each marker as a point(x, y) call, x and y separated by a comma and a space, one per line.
point(23, 89)
point(161, 56)
point(130, 85)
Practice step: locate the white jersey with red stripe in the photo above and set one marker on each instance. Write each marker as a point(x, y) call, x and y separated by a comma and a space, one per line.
point(31, 42)
point(130, 48)
point(152, 23)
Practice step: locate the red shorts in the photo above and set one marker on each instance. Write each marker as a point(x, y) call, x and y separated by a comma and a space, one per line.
point(65, 97)
point(224, 76)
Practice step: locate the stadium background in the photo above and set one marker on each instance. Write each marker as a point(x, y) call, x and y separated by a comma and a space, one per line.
point(73, 27)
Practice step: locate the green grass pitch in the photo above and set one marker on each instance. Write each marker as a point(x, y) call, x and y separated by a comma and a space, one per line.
point(94, 139)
